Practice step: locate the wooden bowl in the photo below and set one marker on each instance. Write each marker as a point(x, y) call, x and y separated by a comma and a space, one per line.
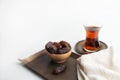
point(59, 58)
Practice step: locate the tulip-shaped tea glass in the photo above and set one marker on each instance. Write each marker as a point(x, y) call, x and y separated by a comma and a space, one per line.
point(92, 43)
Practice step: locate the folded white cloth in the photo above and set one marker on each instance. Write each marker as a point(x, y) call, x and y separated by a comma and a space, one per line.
point(100, 65)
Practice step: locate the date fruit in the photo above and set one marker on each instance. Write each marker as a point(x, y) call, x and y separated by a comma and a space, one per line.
point(57, 45)
point(59, 69)
point(63, 50)
point(51, 48)
point(64, 44)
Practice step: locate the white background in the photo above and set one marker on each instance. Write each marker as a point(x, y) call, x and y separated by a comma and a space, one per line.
point(27, 25)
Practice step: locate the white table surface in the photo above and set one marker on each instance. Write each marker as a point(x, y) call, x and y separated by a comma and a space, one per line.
point(27, 25)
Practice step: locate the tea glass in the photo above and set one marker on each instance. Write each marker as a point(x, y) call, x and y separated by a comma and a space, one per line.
point(92, 43)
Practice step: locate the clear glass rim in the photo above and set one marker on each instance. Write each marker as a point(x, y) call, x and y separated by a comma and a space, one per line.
point(92, 25)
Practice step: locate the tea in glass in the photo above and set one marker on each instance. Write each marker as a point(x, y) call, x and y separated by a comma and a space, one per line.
point(92, 43)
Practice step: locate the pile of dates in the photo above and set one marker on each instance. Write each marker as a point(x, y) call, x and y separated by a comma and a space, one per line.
point(58, 47)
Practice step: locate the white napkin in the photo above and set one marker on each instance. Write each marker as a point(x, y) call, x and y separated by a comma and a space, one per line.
point(100, 65)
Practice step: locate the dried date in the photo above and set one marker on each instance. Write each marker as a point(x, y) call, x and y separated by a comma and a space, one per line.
point(64, 44)
point(51, 48)
point(63, 50)
point(58, 45)
point(59, 69)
